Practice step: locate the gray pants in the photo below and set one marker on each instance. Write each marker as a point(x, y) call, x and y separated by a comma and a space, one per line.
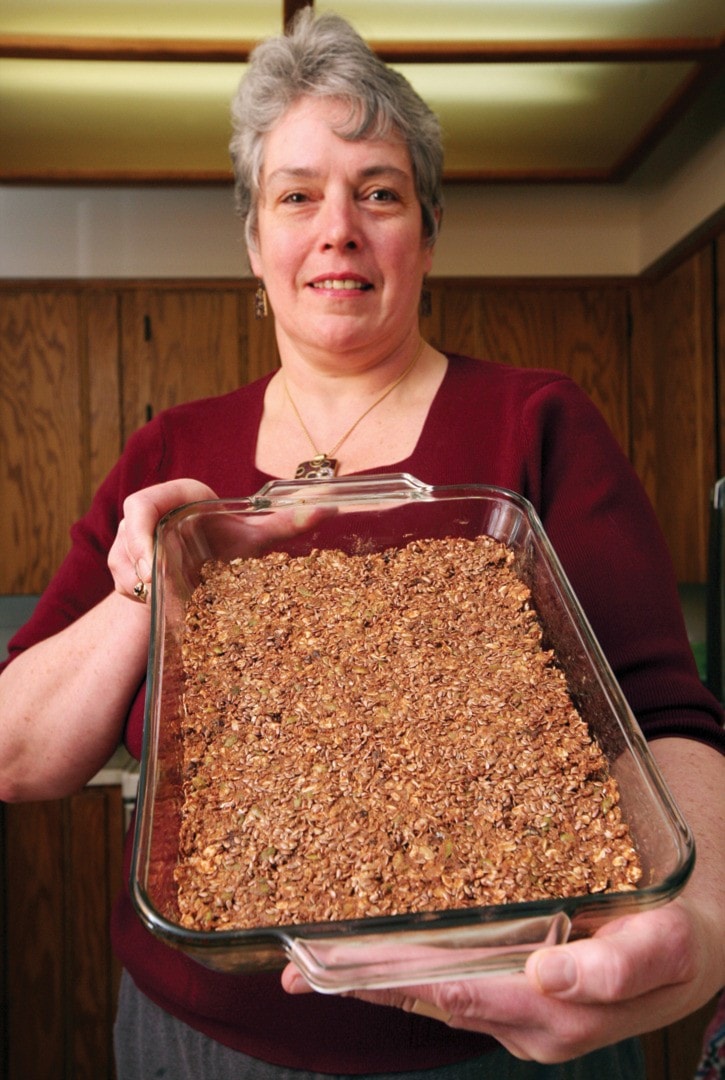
point(151, 1045)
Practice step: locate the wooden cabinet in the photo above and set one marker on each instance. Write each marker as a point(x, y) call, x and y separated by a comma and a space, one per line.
point(183, 343)
point(177, 346)
point(578, 329)
point(61, 871)
point(102, 365)
point(674, 404)
point(83, 366)
point(43, 433)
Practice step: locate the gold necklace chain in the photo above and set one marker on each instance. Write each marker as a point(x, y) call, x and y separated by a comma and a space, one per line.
point(323, 465)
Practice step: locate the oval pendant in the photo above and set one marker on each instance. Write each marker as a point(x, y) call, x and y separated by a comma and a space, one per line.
point(318, 468)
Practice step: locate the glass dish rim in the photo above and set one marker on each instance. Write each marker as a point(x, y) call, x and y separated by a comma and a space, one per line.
point(362, 490)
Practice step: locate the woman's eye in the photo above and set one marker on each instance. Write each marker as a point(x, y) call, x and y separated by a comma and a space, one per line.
point(382, 195)
point(295, 197)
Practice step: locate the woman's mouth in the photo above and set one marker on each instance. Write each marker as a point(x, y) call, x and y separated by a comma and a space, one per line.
point(341, 284)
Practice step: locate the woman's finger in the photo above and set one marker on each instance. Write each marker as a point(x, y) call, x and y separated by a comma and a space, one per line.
point(131, 556)
point(628, 958)
point(143, 511)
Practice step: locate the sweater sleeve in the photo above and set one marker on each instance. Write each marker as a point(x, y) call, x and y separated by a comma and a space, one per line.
point(604, 530)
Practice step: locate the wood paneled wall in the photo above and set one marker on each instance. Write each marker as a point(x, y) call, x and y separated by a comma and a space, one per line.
point(580, 329)
point(83, 365)
point(62, 872)
point(674, 403)
point(43, 433)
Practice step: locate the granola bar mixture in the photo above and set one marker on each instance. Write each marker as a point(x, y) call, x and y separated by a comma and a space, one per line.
point(383, 733)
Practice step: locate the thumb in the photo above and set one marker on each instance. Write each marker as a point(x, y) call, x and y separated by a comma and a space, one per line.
point(626, 958)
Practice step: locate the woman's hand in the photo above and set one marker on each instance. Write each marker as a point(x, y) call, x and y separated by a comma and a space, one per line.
point(636, 974)
point(131, 556)
point(573, 998)
point(64, 702)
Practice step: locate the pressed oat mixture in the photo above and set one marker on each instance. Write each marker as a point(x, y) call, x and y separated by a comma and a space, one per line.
point(383, 733)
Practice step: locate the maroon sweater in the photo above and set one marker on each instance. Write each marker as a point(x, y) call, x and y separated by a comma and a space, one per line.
point(534, 432)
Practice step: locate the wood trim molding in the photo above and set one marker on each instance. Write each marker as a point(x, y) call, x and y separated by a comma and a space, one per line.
point(184, 50)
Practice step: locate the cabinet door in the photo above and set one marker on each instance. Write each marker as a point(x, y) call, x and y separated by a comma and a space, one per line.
point(674, 406)
point(43, 469)
point(100, 313)
point(579, 330)
point(62, 871)
point(177, 345)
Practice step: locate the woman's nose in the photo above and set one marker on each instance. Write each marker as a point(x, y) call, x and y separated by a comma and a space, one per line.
point(340, 226)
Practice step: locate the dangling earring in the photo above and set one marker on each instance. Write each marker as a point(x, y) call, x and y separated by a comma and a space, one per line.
point(261, 308)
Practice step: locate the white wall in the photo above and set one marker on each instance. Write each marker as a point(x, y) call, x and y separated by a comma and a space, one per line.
point(497, 231)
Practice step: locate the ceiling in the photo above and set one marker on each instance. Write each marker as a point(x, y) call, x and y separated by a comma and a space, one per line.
point(109, 91)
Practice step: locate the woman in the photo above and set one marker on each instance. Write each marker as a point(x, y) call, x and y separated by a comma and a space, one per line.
point(338, 169)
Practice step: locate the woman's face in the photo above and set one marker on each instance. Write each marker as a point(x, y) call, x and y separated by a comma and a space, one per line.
point(340, 243)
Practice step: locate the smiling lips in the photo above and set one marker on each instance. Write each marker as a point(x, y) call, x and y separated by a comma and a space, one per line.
point(340, 283)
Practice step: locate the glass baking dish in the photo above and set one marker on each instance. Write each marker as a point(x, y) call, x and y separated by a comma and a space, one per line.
point(371, 514)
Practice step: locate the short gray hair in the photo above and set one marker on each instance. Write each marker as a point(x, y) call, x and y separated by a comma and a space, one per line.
point(323, 56)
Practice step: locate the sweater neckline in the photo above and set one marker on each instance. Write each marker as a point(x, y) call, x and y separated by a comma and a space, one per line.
point(262, 478)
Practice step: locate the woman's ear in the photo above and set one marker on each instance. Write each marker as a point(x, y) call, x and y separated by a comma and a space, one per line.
point(255, 262)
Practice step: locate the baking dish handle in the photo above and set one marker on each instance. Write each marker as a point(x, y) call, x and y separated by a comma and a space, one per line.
point(366, 961)
point(397, 486)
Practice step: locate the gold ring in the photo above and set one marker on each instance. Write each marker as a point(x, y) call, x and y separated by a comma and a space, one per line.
point(433, 1012)
point(140, 591)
